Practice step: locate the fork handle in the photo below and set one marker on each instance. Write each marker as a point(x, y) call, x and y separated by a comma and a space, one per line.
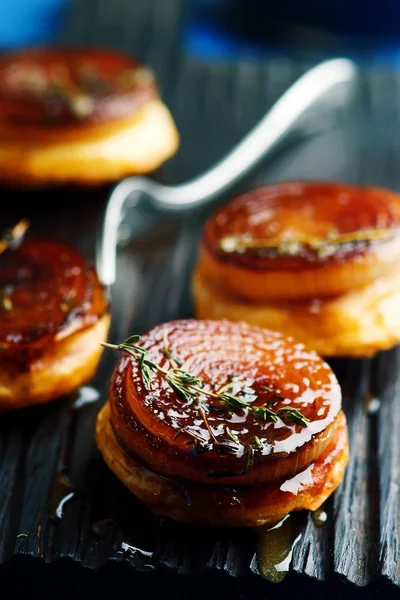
point(285, 114)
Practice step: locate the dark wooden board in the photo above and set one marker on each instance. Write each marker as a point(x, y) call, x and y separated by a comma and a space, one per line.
point(356, 554)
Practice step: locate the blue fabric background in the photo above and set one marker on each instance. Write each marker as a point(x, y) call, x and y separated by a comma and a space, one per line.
point(232, 28)
point(29, 22)
point(366, 30)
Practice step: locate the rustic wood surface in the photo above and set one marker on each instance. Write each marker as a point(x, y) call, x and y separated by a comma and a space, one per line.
point(47, 452)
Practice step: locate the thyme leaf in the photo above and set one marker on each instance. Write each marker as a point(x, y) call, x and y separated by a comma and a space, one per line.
point(233, 403)
point(249, 459)
point(191, 388)
point(257, 442)
point(292, 415)
point(263, 413)
point(178, 433)
point(232, 435)
point(14, 235)
point(131, 340)
point(179, 388)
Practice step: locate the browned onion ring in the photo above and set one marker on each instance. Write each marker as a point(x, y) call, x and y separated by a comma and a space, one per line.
point(146, 421)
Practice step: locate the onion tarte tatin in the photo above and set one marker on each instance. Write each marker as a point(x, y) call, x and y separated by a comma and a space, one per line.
point(223, 423)
point(80, 116)
point(53, 316)
point(317, 261)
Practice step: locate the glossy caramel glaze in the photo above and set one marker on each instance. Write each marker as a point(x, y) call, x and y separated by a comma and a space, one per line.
point(285, 213)
point(50, 87)
point(359, 323)
point(48, 292)
point(226, 506)
point(294, 210)
point(146, 421)
point(33, 377)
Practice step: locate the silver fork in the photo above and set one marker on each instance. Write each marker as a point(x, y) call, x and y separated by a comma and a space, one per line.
point(331, 82)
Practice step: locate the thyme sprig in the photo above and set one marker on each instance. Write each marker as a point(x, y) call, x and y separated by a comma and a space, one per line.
point(14, 235)
point(321, 246)
point(188, 387)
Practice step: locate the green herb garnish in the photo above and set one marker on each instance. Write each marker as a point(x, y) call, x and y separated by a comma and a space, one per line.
point(292, 415)
point(13, 235)
point(257, 442)
point(189, 388)
point(232, 435)
point(239, 244)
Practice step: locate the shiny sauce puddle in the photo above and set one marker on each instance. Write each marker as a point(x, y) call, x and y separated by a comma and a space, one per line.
point(276, 543)
point(275, 547)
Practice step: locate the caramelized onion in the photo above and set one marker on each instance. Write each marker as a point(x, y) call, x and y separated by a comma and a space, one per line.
point(80, 116)
point(50, 87)
point(48, 292)
point(256, 248)
point(359, 323)
point(224, 506)
point(146, 421)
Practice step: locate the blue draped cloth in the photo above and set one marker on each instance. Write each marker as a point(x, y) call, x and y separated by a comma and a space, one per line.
point(30, 22)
